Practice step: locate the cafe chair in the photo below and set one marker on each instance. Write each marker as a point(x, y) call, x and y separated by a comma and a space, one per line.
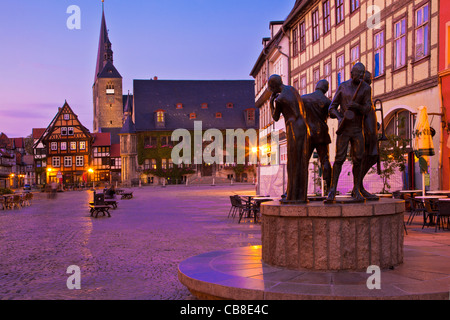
point(416, 208)
point(443, 212)
point(233, 208)
point(430, 212)
point(244, 208)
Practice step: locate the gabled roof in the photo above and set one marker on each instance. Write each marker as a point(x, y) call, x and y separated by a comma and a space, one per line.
point(128, 126)
point(37, 132)
point(152, 95)
point(64, 109)
point(5, 142)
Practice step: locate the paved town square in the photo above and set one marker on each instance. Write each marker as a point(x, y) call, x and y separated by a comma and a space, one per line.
point(135, 253)
point(132, 255)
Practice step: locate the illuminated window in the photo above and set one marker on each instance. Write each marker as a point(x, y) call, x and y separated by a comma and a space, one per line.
point(179, 106)
point(73, 145)
point(160, 116)
point(204, 106)
point(82, 145)
point(192, 115)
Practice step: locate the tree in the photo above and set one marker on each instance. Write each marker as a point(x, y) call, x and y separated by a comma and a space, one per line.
point(392, 153)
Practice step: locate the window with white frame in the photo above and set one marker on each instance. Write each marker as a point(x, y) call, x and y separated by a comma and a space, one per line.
point(64, 131)
point(66, 116)
point(73, 145)
point(79, 161)
point(54, 146)
point(82, 145)
point(67, 161)
point(64, 146)
point(56, 162)
point(70, 131)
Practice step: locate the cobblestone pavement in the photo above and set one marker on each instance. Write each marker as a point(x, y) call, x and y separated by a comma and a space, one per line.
point(132, 255)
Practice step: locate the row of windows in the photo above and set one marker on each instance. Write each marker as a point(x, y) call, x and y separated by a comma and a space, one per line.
point(160, 116)
point(71, 144)
point(67, 161)
point(421, 49)
point(67, 131)
point(205, 105)
point(299, 33)
point(152, 141)
point(421, 33)
point(151, 164)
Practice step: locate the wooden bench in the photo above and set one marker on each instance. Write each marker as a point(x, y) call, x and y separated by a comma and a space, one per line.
point(127, 195)
point(112, 203)
point(97, 208)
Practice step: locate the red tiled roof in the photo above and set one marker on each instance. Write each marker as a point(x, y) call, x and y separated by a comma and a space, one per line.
point(101, 139)
point(115, 150)
point(37, 132)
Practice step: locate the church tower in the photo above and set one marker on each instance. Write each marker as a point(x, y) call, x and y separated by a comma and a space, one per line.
point(107, 88)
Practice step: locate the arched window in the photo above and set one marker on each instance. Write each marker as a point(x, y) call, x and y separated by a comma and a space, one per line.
point(110, 88)
point(400, 123)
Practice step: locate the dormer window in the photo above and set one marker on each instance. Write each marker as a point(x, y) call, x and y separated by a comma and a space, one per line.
point(204, 106)
point(109, 88)
point(179, 106)
point(250, 117)
point(229, 105)
point(218, 115)
point(160, 119)
point(192, 115)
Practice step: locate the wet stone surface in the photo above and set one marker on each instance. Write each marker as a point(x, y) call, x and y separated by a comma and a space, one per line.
point(132, 255)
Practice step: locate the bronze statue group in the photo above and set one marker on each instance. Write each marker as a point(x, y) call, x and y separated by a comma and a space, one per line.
point(307, 130)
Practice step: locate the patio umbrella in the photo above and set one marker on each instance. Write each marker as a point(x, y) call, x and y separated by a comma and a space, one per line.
point(423, 142)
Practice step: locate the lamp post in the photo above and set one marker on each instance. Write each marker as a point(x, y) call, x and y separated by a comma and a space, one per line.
point(91, 171)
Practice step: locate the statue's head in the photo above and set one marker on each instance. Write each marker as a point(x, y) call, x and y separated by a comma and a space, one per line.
point(275, 83)
point(368, 77)
point(322, 85)
point(358, 71)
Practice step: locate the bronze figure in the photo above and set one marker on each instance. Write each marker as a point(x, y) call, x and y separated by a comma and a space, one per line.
point(286, 100)
point(371, 154)
point(350, 104)
point(316, 106)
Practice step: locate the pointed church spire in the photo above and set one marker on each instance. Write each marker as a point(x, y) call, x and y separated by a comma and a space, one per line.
point(104, 54)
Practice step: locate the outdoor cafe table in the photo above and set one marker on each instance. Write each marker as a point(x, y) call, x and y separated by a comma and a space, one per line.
point(439, 192)
point(431, 197)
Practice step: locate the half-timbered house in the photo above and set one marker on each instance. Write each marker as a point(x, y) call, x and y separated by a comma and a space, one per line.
point(68, 144)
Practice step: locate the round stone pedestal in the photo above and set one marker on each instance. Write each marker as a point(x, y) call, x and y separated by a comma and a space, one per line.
point(318, 236)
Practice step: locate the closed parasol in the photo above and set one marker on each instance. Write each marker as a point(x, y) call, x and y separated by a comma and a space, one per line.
point(423, 142)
